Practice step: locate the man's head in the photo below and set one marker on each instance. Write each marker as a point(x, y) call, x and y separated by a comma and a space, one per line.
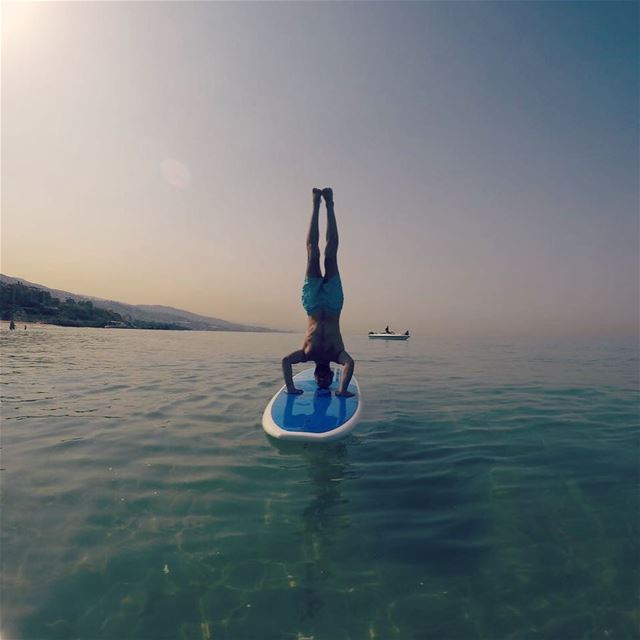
point(323, 375)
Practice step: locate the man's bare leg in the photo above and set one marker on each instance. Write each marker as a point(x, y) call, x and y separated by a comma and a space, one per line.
point(331, 250)
point(313, 239)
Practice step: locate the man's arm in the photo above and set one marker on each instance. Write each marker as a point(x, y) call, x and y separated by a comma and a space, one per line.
point(287, 361)
point(347, 361)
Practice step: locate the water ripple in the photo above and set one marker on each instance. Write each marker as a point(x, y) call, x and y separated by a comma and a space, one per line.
point(489, 492)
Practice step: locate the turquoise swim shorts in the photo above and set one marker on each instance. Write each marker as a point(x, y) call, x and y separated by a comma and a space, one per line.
point(320, 294)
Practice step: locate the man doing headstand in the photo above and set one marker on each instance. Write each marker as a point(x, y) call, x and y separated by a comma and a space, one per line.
point(322, 299)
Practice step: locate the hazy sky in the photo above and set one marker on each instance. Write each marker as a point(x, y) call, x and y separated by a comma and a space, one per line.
point(484, 158)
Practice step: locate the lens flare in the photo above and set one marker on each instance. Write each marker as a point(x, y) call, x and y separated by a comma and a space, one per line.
point(176, 173)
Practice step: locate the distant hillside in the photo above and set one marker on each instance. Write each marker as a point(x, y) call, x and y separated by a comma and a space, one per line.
point(138, 316)
point(30, 304)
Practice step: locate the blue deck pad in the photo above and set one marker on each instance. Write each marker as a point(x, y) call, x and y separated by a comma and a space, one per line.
point(314, 411)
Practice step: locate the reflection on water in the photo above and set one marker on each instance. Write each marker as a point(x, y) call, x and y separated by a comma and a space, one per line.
point(489, 492)
point(322, 518)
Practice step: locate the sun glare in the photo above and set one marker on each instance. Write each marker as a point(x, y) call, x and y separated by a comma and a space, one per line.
point(17, 20)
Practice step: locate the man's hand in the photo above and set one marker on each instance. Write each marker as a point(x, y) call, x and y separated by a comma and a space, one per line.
point(294, 391)
point(344, 394)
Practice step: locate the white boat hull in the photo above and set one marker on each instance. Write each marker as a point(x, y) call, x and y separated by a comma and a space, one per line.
point(388, 336)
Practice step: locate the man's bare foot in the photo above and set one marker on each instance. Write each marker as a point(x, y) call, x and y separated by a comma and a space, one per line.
point(317, 193)
point(327, 194)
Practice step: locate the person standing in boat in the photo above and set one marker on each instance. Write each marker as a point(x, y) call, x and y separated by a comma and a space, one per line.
point(322, 299)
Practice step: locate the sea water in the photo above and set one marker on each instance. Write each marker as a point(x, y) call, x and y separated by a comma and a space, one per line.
point(489, 492)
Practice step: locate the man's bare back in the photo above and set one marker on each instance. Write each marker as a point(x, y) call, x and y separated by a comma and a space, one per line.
point(323, 340)
point(322, 299)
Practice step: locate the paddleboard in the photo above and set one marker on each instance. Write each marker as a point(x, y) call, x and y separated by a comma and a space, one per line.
point(316, 414)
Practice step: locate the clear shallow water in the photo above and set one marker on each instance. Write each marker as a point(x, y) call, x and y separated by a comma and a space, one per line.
point(491, 491)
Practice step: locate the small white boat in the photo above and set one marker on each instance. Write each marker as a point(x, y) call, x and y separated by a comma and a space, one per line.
point(388, 336)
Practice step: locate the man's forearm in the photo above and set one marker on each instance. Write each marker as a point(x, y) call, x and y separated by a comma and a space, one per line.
point(287, 373)
point(347, 374)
